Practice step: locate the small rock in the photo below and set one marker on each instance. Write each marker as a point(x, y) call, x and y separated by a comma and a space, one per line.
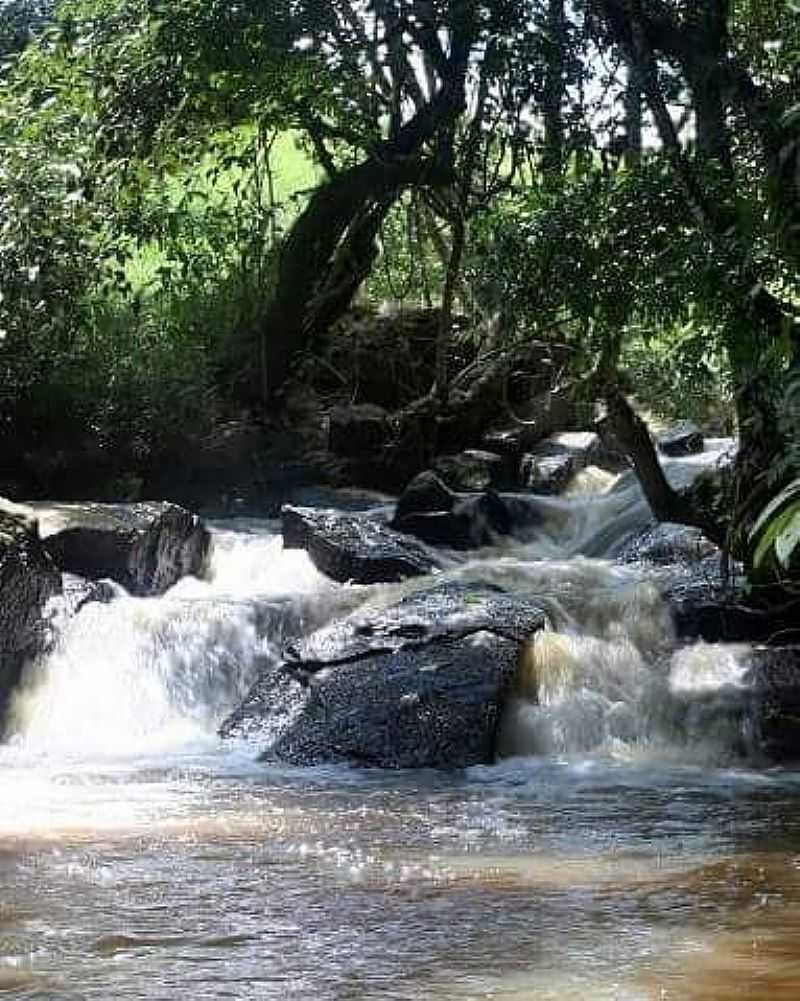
point(682, 438)
point(474, 470)
point(441, 517)
point(547, 474)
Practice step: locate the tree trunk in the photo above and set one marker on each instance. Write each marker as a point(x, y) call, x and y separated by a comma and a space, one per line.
point(552, 106)
point(633, 119)
point(667, 504)
point(448, 302)
point(329, 251)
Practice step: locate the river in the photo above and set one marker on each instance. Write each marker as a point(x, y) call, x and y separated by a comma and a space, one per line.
point(611, 855)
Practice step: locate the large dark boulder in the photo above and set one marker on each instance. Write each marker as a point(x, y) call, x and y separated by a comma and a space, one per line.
point(146, 547)
point(704, 603)
point(28, 580)
point(430, 511)
point(425, 494)
point(417, 685)
point(348, 547)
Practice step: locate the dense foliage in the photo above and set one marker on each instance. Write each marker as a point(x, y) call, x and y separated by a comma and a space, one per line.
point(192, 192)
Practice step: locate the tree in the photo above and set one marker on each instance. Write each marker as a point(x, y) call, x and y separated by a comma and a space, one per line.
point(431, 88)
point(721, 192)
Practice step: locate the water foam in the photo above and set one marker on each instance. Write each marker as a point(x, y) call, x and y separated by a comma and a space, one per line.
point(143, 673)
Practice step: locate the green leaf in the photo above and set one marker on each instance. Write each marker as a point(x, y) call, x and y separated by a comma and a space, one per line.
point(771, 533)
point(790, 491)
point(789, 538)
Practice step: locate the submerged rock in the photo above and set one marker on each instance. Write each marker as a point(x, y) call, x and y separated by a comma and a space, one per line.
point(419, 684)
point(346, 547)
point(28, 580)
point(146, 547)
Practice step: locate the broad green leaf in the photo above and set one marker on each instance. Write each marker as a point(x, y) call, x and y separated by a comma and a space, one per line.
point(771, 533)
point(792, 490)
point(787, 542)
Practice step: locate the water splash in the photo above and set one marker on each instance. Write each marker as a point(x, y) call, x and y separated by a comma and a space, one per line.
point(138, 674)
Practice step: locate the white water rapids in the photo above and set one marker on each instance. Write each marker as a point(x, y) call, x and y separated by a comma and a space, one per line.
point(619, 851)
point(143, 674)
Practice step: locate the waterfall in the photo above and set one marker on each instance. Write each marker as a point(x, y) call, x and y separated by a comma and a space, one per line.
point(143, 673)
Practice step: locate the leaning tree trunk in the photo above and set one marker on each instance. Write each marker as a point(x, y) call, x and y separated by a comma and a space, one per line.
point(331, 246)
point(329, 252)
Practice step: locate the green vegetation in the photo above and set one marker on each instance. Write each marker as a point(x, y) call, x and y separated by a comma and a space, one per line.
point(192, 194)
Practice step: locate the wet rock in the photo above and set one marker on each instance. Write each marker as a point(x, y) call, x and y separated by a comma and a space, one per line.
point(705, 606)
point(718, 619)
point(349, 499)
point(585, 447)
point(551, 463)
point(419, 684)
point(348, 547)
point(446, 611)
point(547, 474)
point(145, 547)
point(704, 603)
point(28, 580)
point(358, 431)
point(475, 470)
point(508, 442)
point(78, 592)
point(773, 680)
point(667, 543)
point(425, 494)
point(682, 438)
point(430, 511)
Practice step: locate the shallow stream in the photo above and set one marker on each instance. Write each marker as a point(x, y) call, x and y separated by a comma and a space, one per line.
point(611, 855)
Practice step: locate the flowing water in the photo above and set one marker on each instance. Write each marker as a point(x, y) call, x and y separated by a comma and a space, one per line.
point(616, 852)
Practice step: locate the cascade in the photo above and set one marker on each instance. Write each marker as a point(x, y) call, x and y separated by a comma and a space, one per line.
point(141, 673)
